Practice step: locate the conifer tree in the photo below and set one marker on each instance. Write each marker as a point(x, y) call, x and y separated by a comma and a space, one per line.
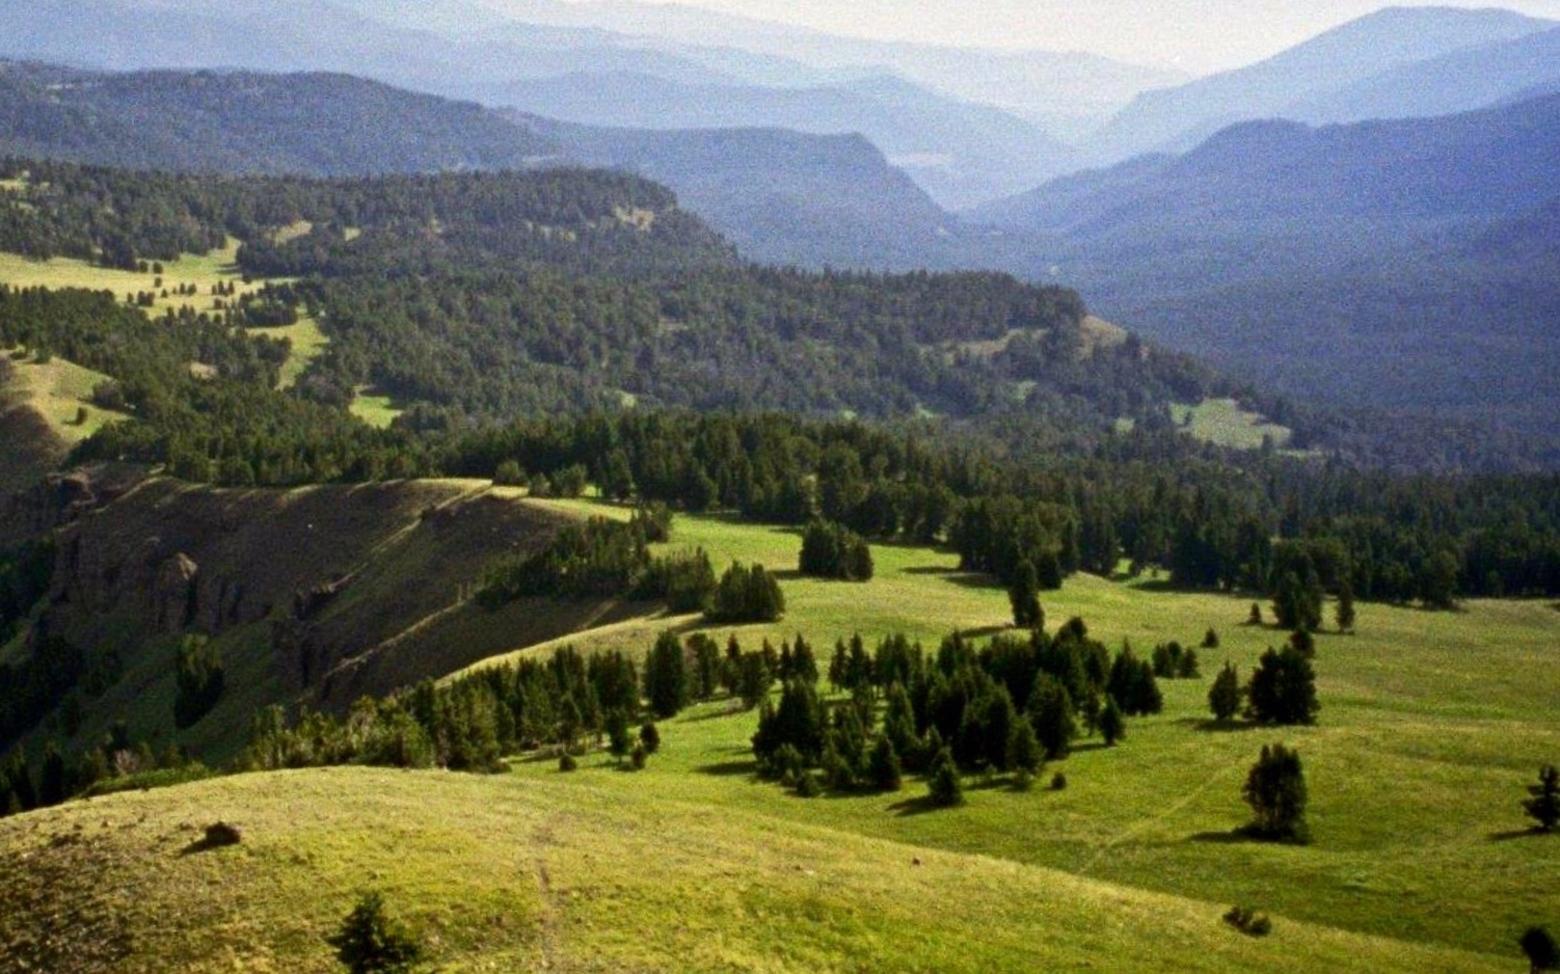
point(617, 734)
point(666, 677)
point(1024, 595)
point(1275, 790)
point(1544, 806)
point(1023, 749)
point(1224, 695)
point(369, 941)
point(885, 769)
point(1113, 726)
point(943, 786)
point(1344, 613)
point(1050, 712)
point(650, 737)
point(1283, 689)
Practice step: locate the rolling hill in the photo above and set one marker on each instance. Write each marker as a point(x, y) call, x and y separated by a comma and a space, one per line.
point(1338, 68)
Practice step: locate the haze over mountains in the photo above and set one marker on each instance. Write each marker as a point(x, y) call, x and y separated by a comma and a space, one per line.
point(1299, 257)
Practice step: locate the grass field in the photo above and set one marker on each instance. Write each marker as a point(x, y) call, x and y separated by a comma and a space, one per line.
point(308, 344)
point(1432, 724)
point(374, 408)
point(58, 390)
point(1223, 423)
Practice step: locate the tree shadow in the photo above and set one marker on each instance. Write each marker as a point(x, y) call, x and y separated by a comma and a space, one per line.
point(1209, 725)
point(1237, 836)
point(729, 769)
point(1088, 746)
point(216, 836)
point(919, 805)
point(712, 715)
point(1514, 834)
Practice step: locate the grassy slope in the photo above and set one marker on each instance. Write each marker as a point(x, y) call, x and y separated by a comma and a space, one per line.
point(591, 872)
point(203, 271)
point(1223, 423)
point(1431, 726)
point(374, 408)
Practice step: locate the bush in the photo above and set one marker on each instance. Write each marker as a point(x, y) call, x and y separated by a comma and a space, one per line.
point(1542, 952)
point(808, 786)
point(567, 762)
point(1248, 921)
point(638, 757)
point(650, 737)
point(369, 941)
point(509, 474)
point(1059, 781)
point(1211, 638)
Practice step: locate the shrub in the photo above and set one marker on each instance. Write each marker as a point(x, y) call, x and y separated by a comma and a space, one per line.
point(1059, 781)
point(567, 762)
point(808, 786)
point(638, 757)
point(650, 737)
point(1211, 639)
point(1542, 952)
point(509, 474)
point(369, 941)
point(1248, 921)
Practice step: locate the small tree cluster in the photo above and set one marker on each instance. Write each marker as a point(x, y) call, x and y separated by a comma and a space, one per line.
point(831, 550)
point(746, 594)
point(1275, 790)
point(1283, 689)
point(1173, 661)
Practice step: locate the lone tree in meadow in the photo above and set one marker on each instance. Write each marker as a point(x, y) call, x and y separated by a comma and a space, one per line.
point(1544, 806)
point(1224, 695)
point(1024, 594)
point(1542, 952)
point(369, 941)
point(1254, 618)
point(1275, 790)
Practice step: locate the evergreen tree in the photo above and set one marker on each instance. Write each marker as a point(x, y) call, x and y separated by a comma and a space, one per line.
point(666, 677)
point(1543, 954)
point(639, 756)
point(1297, 601)
point(1023, 749)
point(369, 941)
point(1024, 595)
point(885, 770)
point(1050, 713)
point(1048, 571)
point(1224, 695)
point(1275, 790)
point(1344, 612)
point(53, 787)
point(1544, 806)
point(1283, 689)
point(617, 734)
point(1210, 639)
point(1254, 617)
point(650, 737)
point(1113, 726)
point(943, 786)
point(754, 680)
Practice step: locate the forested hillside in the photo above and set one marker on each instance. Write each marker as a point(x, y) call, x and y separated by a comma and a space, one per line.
point(1397, 265)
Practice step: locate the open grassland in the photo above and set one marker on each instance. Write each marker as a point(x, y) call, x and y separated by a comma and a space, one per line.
point(58, 391)
point(374, 408)
point(1431, 725)
point(203, 271)
point(598, 871)
point(1223, 423)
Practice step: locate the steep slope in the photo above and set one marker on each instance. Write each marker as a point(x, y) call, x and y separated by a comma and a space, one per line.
point(1178, 118)
point(310, 596)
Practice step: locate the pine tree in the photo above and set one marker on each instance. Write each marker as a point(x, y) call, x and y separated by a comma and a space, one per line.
point(666, 677)
point(1544, 806)
point(1224, 695)
point(1275, 790)
point(1283, 689)
point(1254, 618)
point(1113, 727)
point(1345, 609)
point(943, 785)
point(1024, 595)
point(369, 941)
point(617, 734)
point(885, 771)
point(1023, 749)
point(650, 737)
point(1050, 712)
point(1210, 639)
point(1543, 954)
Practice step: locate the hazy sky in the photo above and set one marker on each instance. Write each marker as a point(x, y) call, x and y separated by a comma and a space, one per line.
point(1198, 35)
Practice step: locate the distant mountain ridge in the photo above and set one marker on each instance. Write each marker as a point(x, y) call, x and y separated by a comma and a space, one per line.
point(1330, 72)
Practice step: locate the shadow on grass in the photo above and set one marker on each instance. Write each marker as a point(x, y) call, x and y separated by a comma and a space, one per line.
point(712, 715)
point(1513, 834)
point(920, 805)
point(729, 769)
point(1244, 834)
point(957, 577)
point(1208, 725)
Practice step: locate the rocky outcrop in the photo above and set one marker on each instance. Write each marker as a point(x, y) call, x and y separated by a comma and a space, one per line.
point(174, 593)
